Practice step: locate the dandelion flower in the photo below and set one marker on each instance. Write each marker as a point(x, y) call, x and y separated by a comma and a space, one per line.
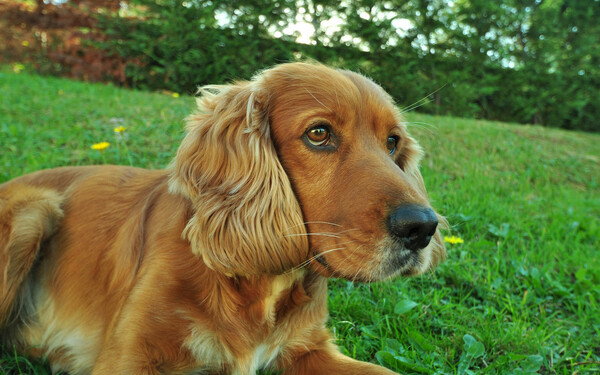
point(100, 146)
point(175, 95)
point(453, 240)
point(120, 129)
point(18, 67)
point(24, 43)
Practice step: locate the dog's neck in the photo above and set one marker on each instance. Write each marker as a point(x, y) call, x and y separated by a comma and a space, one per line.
point(267, 313)
point(271, 297)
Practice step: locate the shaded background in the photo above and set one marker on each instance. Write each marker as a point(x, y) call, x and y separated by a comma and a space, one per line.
point(528, 61)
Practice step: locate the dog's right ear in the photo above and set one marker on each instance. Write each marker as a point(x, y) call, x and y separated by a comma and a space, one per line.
point(227, 165)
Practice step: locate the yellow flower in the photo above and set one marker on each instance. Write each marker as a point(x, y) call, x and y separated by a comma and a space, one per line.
point(24, 43)
point(453, 240)
point(175, 95)
point(100, 146)
point(18, 67)
point(120, 129)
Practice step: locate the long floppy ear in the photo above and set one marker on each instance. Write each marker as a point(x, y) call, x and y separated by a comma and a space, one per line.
point(409, 160)
point(244, 204)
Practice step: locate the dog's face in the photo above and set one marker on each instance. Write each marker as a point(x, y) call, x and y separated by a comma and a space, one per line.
point(354, 203)
point(354, 170)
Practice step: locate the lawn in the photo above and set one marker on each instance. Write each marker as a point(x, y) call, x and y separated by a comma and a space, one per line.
point(520, 295)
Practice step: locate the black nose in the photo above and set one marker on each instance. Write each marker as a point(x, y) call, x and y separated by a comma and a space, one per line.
point(412, 225)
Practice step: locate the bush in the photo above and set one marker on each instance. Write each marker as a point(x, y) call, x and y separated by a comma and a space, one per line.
point(178, 46)
point(178, 49)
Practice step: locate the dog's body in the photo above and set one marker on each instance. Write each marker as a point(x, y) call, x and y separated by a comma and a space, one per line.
point(107, 280)
point(218, 264)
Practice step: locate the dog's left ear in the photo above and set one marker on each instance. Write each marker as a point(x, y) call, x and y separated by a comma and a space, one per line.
point(227, 165)
point(408, 161)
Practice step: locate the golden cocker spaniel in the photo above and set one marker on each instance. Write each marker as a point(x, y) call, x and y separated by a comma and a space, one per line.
point(218, 264)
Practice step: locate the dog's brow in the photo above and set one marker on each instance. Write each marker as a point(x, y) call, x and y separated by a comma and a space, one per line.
point(320, 102)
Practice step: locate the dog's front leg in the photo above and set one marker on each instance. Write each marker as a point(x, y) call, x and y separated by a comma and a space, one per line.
point(328, 360)
point(115, 364)
point(126, 355)
point(133, 371)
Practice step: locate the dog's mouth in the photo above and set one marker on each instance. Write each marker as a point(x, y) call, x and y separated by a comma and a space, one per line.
point(331, 271)
point(398, 260)
point(321, 259)
point(404, 263)
point(394, 260)
point(403, 259)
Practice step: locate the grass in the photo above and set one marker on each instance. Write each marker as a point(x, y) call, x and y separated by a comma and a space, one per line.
point(521, 295)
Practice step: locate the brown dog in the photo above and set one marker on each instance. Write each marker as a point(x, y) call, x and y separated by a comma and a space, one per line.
point(218, 264)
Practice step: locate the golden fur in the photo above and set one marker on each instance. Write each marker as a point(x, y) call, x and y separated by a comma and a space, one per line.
point(217, 264)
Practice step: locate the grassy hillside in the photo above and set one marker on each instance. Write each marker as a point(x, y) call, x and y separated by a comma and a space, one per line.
point(521, 295)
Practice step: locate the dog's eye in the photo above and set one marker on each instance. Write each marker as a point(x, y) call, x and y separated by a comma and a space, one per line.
point(392, 144)
point(318, 135)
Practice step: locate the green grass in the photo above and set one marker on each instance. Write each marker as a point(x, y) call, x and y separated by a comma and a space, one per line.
point(521, 295)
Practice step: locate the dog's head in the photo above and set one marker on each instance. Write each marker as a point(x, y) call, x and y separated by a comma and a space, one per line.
point(305, 165)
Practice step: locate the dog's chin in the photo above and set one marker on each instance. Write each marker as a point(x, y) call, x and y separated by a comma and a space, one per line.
point(405, 263)
point(402, 262)
point(394, 261)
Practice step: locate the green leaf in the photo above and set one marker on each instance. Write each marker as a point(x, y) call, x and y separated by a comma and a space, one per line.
point(501, 231)
point(394, 346)
point(472, 347)
point(401, 363)
point(580, 274)
point(532, 363)
point(420, 342)
point(405, 306)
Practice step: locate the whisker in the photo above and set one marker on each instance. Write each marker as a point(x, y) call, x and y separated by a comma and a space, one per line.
point(324, 234)
point(347, 230)
point(422, 125)
point(338, 244)
point(337, 247)
point(329, 251)
point(416, 105)
point(346, 269)
point(355, 275)
point(309, 260)
point(322, 222)
point(314, 222)
point(311, 234)
point(420, 102)
point(315, 98)
point(358, 268)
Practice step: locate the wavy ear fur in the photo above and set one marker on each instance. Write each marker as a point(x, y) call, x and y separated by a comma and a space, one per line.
point(228, 167)
point(409, 162)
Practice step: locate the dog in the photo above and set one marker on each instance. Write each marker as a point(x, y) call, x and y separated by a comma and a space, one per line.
point(218, 264)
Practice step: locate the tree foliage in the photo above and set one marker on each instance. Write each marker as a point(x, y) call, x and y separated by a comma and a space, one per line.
point(531, 61)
